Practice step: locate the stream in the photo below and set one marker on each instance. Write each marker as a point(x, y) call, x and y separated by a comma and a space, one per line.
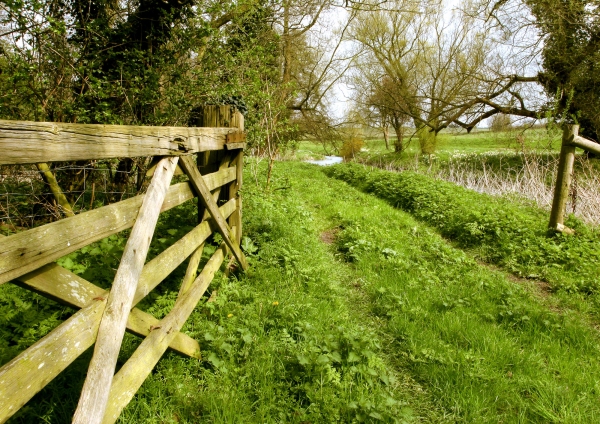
point(329, 160)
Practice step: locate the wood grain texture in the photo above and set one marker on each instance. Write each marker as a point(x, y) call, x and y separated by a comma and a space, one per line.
point(94, 395)
point(196, 257)
point(236, 137)
point(563, 178)
point(220, 178)
point(236, 219)
point(235, 146)
point(32, 142)
point(586, 144)
point(26, 251)
point(64, 286)
point(48, 357)
point(131, 376)
point(161, 266)
point(203, 191)
point(141, 324)
point(31, 370)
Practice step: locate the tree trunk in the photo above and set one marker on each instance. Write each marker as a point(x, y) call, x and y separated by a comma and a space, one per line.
point(60, 198)
point(386, 136)
point(399, 142)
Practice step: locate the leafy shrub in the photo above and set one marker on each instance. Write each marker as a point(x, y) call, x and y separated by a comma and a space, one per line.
point(351, 147)
point(502, 232)
point(500, 122)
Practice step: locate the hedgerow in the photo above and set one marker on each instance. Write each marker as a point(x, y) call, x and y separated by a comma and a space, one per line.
point(499, 230)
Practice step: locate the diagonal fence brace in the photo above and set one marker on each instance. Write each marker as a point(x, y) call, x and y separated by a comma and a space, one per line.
point(204, 194)
point(62, 285)
point(94, 395)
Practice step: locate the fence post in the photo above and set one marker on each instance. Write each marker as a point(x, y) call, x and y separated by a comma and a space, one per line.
point(216, 116)
point(236, 218)
point(563, 180)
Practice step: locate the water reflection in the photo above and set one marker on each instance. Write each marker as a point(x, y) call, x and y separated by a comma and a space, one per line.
point(329, 160)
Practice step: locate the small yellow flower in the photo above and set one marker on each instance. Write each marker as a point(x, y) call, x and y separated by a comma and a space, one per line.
point(275, 303)
point(229, 315)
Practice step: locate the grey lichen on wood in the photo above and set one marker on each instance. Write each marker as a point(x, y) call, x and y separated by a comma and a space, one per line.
point(192, 268)
point(32, 142)
point(48, 357)
point(131, 376)
point(31, 370)
point(64, 286)
point(204, 195)
point(94, 395)
point(26, 251)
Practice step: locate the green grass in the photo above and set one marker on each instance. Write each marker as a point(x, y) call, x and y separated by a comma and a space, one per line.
point(496, 229)
point(448, 144)
point(388, 323)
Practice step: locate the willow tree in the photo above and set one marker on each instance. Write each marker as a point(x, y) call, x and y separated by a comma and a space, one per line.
point(448, 66)
point(420, 57)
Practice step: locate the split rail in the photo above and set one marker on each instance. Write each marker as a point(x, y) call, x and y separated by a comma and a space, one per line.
point(28, 258)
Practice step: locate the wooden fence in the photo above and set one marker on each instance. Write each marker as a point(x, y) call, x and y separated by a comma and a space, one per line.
point(27, 258)
point(570, 141)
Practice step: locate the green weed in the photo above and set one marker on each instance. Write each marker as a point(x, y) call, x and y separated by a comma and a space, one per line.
point(497, 230)
point(388, 323)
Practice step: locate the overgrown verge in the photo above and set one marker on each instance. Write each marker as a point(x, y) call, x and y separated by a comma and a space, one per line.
point(501, 232)
point(525, 175)
point(484, 347)
point(387, 323)
point(282, 343)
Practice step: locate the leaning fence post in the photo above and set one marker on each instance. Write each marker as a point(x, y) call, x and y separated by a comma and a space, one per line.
point(563, 179)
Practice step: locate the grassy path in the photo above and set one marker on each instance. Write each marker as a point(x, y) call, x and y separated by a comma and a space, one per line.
point(294, 340)
point(487, 349)
point(353, 311)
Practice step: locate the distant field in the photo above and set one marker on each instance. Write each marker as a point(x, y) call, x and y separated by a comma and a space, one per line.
point(518, 163)
point(447, 144)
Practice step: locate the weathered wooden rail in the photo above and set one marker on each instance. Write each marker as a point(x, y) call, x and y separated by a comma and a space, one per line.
point(27, 258)
point(570, 141)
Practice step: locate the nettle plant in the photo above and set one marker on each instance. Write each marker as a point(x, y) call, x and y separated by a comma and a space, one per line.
point(496, 229)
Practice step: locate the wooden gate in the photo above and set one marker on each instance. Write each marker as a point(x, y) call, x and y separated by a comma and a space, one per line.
point(28, 257)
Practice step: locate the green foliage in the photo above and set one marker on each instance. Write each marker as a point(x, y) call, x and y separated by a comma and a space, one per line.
point(389, 323)
point(500, 231)
point(571, 59)
point(351, 148)
point(500, 122)
point(279, 342)
point(142, 63)
point(25, 317)
point(484, 347)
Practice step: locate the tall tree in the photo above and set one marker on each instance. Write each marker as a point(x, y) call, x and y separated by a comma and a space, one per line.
point(423, 62)
point(571, 58)
point(445, 64)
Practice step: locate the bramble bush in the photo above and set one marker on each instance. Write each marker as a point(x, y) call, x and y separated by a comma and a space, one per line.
point(500, 231)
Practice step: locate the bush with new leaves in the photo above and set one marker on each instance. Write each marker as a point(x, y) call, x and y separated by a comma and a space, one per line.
point(351, 147)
